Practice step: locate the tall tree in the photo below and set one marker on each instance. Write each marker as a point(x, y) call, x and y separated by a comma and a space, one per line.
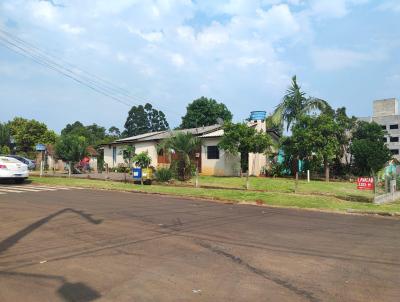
point(369, 149)
point(71, 148)
point(94, 134)
point(5, 136)
point(28, 133)
point(114, 132)
point(314, 135)
point(294, 104)
point(242, 139)
point(143, 119)
point(345, 126)
point(205, 112)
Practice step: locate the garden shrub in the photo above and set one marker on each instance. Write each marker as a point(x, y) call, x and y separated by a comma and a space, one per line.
point(163, 174)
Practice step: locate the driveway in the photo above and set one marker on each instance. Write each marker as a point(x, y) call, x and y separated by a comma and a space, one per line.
point(89, 245)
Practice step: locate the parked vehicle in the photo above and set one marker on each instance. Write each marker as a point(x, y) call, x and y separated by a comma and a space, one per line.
point(30, 163)
point(13, 169)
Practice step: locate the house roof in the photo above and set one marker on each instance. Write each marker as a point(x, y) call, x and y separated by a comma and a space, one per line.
point(137, 137)
point(216, 133)
point(160, 135)
point(220, 133)
point(203, 132)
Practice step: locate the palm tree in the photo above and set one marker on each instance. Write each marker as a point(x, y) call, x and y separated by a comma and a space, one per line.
point(183, 145)
point(294, 104)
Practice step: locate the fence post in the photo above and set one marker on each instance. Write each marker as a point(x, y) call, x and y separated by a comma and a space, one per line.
point(386, 184)
point(296, 183)
point(308, 175)
point(41, 168)
point(196, 182)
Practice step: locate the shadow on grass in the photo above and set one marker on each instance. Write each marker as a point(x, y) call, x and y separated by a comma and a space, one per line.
point(356, 198)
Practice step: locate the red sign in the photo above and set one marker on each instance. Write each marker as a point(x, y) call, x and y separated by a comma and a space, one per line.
point(365, 183)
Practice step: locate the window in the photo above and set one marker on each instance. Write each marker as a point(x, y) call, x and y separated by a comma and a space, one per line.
point(395, 151)
point(384, 127)
point(394, 139)
point(114, 154)
point(394, 126)
point(212, 152)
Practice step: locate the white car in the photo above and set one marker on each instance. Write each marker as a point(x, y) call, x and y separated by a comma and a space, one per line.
point(11, 168)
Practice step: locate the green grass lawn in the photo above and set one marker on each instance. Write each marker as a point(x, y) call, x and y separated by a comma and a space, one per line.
point(343, 190)
point(279, 197)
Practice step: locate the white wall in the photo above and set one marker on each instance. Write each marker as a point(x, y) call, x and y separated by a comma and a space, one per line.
point(108, 156)
point(256, 162)
point(226, 165)
point(150, 147)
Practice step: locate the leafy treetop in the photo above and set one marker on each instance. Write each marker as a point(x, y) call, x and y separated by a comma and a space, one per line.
point(71, 147)
point(143, 119)
point(205, 112)
point(27, 133)
point(369, 149)
point(242, 139)
point(94, 134)
point(295, 104)
point(314, 135)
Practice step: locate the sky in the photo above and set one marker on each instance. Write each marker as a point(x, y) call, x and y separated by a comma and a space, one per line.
point(169, 52)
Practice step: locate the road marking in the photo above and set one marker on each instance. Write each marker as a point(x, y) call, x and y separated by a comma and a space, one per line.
point(42, 188)
point(11, 191)
point(20, 188)
point(4, 189)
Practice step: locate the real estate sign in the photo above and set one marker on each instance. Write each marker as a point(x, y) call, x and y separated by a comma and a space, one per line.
point(365, 183)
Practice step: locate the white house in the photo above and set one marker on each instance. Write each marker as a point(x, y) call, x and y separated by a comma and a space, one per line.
point(210, 159)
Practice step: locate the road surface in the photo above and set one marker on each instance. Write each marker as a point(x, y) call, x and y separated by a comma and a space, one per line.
point(70, 244)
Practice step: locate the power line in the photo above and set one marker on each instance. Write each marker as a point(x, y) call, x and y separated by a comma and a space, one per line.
point(52, 58)
point(26, 54)
point(78, 75)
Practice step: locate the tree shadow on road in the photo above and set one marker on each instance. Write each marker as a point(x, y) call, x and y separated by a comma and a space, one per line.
point(70, 292)
point(13, 239)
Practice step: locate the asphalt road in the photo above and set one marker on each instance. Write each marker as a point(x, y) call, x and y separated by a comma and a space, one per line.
point(88, 245)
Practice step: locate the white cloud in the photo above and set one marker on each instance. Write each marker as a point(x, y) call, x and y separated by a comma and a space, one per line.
point(338, 59)
point(177, 59)
point(391, 5)
point(247, 61)
point(152, 36)
point(333, 8)
point(278, 21)
point(121, 57)
point(329, 8)
point(75, 30)
point(213, 36)
point(43, 11)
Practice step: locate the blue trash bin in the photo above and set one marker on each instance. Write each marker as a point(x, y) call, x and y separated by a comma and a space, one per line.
point(137, 173)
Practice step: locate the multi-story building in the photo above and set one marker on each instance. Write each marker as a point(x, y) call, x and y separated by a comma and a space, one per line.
point(386, 114)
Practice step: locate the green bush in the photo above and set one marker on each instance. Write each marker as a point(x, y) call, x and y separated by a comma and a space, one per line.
point(163, 174)
point(4, 150)
point(122, 169)
point(276, 170)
